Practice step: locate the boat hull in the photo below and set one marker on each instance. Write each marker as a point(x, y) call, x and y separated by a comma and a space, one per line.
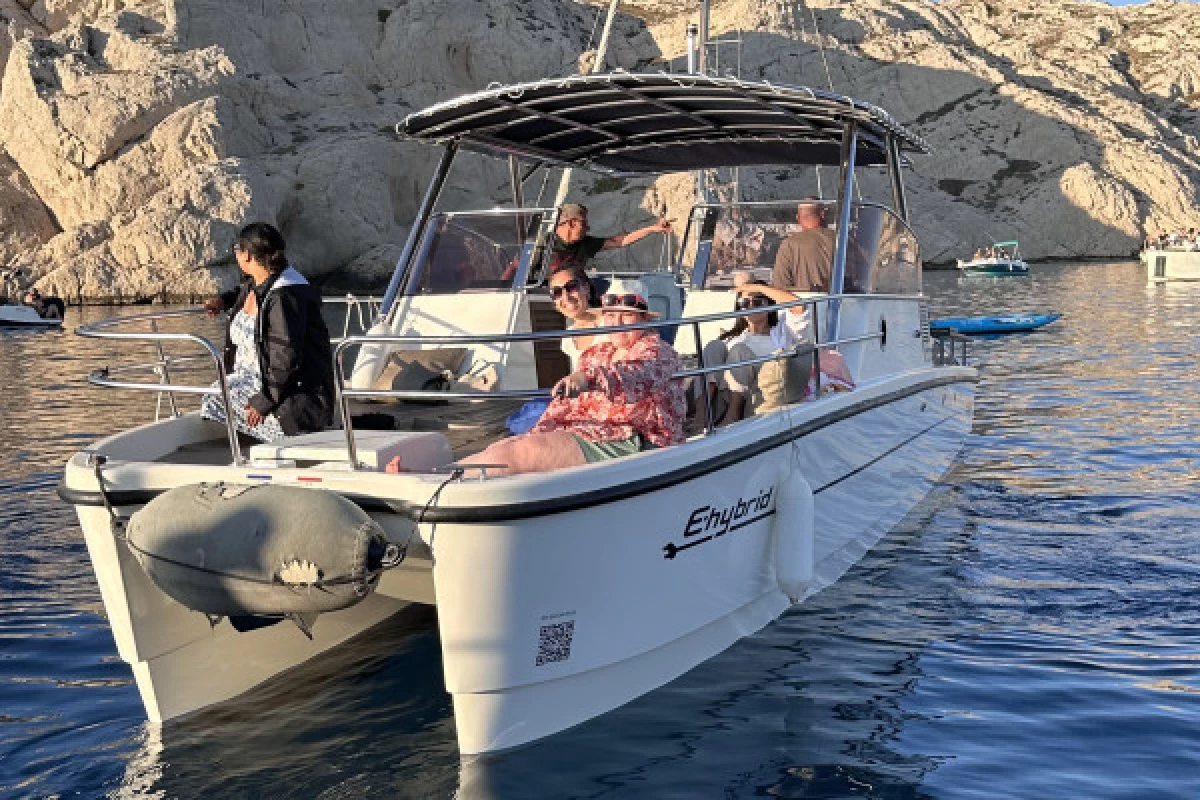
point(994, 267)
point(534, 637)
point(564, 595)
point(1171, 265)
point(25, 317)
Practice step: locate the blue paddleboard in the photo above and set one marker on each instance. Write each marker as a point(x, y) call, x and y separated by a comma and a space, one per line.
point(1007, 323)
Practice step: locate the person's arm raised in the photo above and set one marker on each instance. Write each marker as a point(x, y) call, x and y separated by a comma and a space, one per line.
point(625, 239)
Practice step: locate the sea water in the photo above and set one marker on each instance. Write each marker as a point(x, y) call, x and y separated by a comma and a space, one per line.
point(1030, 630)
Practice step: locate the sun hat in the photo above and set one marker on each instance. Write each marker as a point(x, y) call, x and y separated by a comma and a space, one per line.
point(569, 211)
point(627, 294)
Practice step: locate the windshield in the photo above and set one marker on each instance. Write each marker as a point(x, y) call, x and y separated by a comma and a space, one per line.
point(475, 251)
point(882, 254)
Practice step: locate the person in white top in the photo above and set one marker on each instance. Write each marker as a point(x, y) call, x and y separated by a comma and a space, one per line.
point(752, 336)
point(758, 336)
point(574, 297)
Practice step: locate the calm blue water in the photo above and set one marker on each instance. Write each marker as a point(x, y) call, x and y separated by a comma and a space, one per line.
point(1031, 630)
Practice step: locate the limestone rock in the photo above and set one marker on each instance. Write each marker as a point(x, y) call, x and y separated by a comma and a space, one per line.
point(25, 221)
point(148, 131)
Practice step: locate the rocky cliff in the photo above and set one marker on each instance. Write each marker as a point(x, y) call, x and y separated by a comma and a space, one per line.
point(136, 136)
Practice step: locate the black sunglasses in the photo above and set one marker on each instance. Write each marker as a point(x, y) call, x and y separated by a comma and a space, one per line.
point(558, 291)
point(755, 301)
point(625, 300)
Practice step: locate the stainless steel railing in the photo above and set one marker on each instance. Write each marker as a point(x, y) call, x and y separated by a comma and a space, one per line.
point(344, 394)
point(109, 377)
point(104, 375)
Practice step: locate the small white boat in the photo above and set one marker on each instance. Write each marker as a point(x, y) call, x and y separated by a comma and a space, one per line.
point(1002, 258)
point(560, 595)
point(20, 316)
point(1171, 264)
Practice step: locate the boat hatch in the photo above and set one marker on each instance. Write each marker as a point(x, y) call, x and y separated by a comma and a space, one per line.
point(634, 124)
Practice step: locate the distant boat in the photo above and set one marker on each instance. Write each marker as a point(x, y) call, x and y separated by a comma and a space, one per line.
point(1000, 259)
point(14, 316)
point(1171, 265)
point(1008, 323)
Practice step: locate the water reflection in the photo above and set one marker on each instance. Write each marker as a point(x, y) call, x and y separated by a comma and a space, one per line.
point(367, 719)
point(1038, 610)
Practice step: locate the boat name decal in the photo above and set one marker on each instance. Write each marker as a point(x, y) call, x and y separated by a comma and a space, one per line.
point(709, 522)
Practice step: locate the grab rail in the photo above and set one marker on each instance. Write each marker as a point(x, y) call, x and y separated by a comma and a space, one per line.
point(104, 377)
point(100, 377)
point(355, 306)
point(803, 349)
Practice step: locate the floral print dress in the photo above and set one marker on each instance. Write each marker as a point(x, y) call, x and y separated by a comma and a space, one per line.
point(635, 395)
point(244, 382)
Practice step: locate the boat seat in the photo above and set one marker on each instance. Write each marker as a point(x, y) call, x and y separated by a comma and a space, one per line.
point(419, 451)
point(665, 298)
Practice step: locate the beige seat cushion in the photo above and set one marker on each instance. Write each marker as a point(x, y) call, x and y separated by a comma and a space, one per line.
point(421, 369)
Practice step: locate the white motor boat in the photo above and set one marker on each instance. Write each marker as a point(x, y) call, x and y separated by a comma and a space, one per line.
point(1171, 264)
point(1002, 258)
point(20, 316)
point(560, 595)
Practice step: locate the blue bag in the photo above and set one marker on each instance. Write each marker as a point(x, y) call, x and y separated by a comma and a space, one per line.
point(525, 417)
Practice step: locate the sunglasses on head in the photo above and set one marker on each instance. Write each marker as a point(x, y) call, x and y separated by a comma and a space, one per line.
point(624, 300)
point(752, 301)
point(557, 292)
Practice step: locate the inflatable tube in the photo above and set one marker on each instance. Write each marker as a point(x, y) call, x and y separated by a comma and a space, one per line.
point(230, 550)
point(795, 538)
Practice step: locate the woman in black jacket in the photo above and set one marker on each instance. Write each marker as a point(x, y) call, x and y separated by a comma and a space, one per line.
point(278, 359)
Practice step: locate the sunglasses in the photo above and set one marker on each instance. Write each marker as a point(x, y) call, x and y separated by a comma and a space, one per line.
point(556, 292)
point(755, 301)
point(625, 301)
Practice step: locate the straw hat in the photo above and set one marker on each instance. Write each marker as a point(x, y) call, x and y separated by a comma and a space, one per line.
point(627, 294)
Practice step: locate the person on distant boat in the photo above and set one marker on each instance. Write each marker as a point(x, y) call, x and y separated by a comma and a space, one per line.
point(575, 298)
point(46, 307)
point(620, 400)
point(804, 262)
point(278, 358)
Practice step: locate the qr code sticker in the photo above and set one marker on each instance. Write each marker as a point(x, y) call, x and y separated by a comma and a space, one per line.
point(554, 642)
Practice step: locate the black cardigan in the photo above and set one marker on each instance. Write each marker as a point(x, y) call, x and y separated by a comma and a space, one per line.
point(294, 354)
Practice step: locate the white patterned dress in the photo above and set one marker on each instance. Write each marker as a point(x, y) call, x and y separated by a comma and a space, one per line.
point(244, 382)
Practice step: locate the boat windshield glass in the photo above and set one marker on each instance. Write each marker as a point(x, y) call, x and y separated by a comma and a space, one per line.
point(882, 254)
point(484, 251)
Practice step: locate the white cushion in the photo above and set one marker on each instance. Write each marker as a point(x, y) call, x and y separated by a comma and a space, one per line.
point(419, 451)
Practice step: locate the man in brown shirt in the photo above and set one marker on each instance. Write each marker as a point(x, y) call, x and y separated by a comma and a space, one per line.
point(805, 259)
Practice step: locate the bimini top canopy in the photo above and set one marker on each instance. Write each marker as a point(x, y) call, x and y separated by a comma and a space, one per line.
point(634, 124)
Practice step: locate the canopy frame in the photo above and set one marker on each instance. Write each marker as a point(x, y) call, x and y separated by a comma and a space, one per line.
point(627, 124)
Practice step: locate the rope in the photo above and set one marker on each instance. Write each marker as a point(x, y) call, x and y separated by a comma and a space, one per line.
point(828, 82)
point(433, 498)
point(274, 581)
point(117, 524)
point(595, 24)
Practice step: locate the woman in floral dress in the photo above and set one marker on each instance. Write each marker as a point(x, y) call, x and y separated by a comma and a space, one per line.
point(620, 400)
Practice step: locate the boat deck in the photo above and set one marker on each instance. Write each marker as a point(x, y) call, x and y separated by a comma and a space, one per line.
point(469, 427)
